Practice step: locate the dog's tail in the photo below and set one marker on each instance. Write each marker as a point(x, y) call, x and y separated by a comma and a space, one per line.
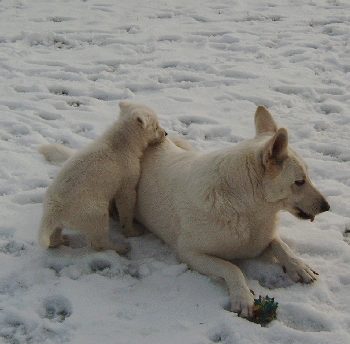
point(181, 143)
point(56, 153)
point(48, 228)
point(44, 236)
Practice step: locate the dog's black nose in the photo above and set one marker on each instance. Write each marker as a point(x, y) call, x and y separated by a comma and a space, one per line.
point(166, 133)
point(325, 206)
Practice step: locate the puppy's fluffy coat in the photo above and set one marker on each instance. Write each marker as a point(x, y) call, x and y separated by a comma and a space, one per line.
point(109, 168)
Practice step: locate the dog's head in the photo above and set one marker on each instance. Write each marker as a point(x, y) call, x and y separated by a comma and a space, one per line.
point(144, 119)
point(285, 179)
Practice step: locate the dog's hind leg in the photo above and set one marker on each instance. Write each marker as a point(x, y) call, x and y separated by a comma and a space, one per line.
point(242, 300)
point(96, 227)
point(57, 239)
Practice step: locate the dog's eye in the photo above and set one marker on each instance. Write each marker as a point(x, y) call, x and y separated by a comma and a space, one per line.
point(299, 182)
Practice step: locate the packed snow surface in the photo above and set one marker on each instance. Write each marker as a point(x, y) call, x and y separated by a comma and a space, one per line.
point(204, 66)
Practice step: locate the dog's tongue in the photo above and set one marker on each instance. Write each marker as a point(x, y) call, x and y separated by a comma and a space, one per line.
point(312, 218)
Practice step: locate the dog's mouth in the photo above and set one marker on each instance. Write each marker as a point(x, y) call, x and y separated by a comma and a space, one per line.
point(305, 216)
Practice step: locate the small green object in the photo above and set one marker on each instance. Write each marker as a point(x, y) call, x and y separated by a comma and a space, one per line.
point(264, 310)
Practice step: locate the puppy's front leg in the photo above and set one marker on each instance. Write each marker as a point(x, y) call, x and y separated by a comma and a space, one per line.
point(297, 270)
point(242, 300)
point(125, 202)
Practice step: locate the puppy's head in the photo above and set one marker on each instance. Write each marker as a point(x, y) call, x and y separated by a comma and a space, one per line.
point(286, 177)
point(143, 119)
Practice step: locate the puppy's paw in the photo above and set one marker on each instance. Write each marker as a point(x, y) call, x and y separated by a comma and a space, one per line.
point(65, 240)
point(134, 231)
point(60, 240)
point(121, 247)
point(243, 304)
point(298, 271)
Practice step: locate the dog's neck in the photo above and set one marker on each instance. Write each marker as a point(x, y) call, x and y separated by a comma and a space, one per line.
point(235, 186)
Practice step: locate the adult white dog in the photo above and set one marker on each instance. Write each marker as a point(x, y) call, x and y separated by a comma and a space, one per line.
point(212, 208)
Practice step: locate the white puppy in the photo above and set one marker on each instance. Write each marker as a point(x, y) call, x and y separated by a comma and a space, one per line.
point(109, 168)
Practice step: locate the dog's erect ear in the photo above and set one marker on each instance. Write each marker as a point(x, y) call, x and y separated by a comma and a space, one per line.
point(123, 105)
point(264, 121)
point(276, 149)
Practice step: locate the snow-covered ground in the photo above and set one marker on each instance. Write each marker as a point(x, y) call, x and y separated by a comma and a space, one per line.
point(204, 66)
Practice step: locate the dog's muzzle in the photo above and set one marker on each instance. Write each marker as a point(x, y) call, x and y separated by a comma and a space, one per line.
point(305, 216)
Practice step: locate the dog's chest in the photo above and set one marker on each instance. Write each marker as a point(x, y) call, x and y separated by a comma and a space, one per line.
point(246, 238)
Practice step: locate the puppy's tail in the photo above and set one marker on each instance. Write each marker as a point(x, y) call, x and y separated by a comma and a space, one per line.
point(181, 143)
point(56, 153)
point(48, 227)
point(44, 237)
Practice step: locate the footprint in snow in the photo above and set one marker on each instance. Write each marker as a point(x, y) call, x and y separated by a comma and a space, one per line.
point(188, 120)
point(29, 197)
point(131, 29)
point(100, 264)
point(165, 15)
point(109, 268)
point(169, 38)
point(57, 307)
point(49, 116)
point(57, 19)
point(19, 129)
point(60, 91)
point(26, 89)
point(222, 334)
point(12, 247)
point(16, 329)
point(84, 129)
point(329, 108)
point(74, 103)
point(12, 284)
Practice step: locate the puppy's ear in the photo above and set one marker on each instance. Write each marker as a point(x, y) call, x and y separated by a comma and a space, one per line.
point(276, 149)
point(141, 120)
point(264, 121)
point(123, 105)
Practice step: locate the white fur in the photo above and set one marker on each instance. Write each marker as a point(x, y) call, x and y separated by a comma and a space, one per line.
point(55, 153)
point(109, 168)
point(212, 208)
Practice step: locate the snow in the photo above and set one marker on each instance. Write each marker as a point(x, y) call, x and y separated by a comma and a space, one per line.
point(204, 66)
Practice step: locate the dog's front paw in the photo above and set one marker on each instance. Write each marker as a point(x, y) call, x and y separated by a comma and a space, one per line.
point(298, 271)
point(243, 304)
